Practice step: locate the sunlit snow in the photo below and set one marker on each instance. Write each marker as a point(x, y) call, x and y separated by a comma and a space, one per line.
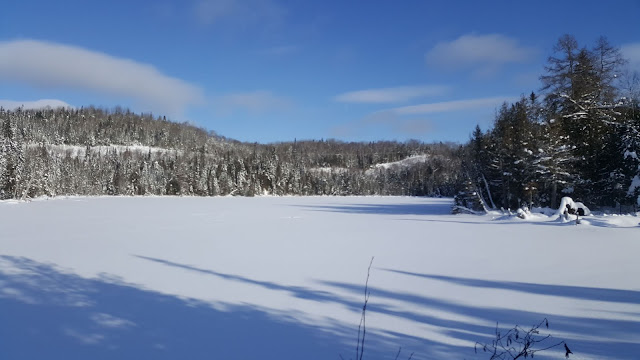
point(283, 278)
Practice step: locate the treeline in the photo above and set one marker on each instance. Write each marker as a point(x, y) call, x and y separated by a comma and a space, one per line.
point(580, 137)
point(91, 151)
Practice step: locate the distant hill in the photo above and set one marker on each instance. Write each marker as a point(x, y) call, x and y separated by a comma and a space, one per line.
point(92, 151)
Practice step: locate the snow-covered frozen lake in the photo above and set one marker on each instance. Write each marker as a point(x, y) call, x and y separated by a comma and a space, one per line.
point(283, 278)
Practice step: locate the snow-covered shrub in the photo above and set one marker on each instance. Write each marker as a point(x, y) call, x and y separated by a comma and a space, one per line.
point(568, 206)
point(523, 213)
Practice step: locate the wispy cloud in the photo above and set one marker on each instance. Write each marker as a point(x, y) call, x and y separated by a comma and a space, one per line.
point(254, 102)
point(392, 95)
point(481, 53)
point(631, 52)
point(414, 120)
point(210, 12)
point(36, 104)
point(53, 66)
point(448, 106)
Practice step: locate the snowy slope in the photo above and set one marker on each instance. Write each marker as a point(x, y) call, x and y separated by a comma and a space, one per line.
point(411, 160)
point(283, 278)
point(404, 163)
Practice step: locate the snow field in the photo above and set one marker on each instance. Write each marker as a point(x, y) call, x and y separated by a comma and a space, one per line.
point(291, 271)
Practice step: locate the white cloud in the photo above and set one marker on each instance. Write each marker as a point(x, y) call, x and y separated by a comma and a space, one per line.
point(110, 321)
point(391, 95)
point(255, 102)
point(411, 120)
point(211, 12)
point(52, 65)
point(484, 53)
point(448, 106)
point(84, 337)
point(37, 104)
point(631, 52)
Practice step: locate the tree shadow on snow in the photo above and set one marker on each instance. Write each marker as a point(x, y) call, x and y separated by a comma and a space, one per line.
point(295, 291)
point(513, 220)
point(379, 345)
point(601, 338)
point(591, 337)
point(595, 338)
point(49, 314)
point(443, 207)
point(576, 292)
point(434, 207)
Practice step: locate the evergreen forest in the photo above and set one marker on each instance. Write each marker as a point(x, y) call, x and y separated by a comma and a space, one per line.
point(577, 135)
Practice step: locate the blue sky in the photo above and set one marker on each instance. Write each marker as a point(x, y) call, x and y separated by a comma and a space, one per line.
point(275, 70)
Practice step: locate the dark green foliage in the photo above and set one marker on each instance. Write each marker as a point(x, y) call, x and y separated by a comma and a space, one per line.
point(582, 140)
point(468, 200)
point(90, 151)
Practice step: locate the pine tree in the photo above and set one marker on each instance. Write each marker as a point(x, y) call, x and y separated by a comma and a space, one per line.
point(579, 85)
point(478, 165)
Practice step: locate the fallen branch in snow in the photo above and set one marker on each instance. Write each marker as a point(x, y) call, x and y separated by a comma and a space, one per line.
point(464, 210)
point(517, 343)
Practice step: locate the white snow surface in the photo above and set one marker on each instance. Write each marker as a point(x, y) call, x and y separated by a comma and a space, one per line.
point(410, 161)
point(284, 277)
point(78, 151)
point(328, 170)
point(631, 154)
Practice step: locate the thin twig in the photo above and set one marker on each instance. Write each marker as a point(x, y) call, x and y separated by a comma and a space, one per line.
point(398, 354)
point(363, 326)
point(517, 342)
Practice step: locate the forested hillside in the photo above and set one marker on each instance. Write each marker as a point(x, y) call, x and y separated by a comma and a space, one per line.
point(580, 137)
point(92, 151)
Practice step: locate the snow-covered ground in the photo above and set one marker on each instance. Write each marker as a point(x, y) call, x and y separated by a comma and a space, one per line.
point(404, 163)
point(283, 278)
point(78, 151)
point(411, 160)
